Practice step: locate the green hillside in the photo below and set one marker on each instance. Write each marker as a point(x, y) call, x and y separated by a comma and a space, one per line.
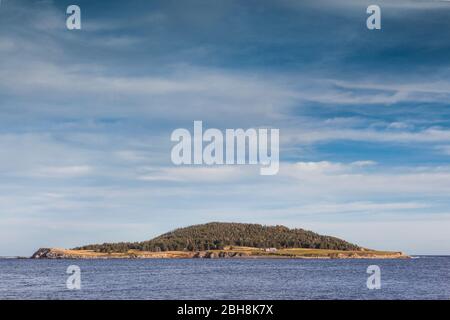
point(216, 235)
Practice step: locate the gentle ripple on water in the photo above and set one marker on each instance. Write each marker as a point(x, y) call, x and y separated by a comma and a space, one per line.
point(424, 278)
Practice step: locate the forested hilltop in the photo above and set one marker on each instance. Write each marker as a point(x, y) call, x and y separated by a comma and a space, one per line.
point(217, 235)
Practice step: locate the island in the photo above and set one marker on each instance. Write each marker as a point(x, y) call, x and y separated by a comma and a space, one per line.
point(225, 240)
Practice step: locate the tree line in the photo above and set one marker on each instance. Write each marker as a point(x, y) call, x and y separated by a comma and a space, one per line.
point(217, 235)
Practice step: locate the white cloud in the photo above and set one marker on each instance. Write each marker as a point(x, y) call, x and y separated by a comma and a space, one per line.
point(46, 85)
point(341, 180)
point(358, 207)
point(351, 5)
point(399, 125)
point(192, 174)
point(64, 172)
point(364, 163)
point(292, 136)
point(321, 166)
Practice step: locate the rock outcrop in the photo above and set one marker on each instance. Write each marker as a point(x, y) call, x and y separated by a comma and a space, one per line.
point(47, 253)
point(221, 254)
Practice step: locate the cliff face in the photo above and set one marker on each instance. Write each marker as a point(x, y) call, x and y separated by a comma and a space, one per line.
point(49, 253)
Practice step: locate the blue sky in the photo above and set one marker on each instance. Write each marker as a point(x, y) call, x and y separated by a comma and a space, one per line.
point(86, 117)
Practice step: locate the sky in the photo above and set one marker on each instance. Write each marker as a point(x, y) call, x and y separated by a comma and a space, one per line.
point(86, 117)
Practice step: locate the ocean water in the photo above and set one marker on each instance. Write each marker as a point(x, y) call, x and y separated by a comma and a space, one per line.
point(425, 277)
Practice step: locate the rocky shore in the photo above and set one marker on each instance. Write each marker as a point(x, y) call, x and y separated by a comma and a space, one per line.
point(53, 253)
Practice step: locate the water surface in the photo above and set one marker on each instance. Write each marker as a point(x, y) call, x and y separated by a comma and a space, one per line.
point(423, 278)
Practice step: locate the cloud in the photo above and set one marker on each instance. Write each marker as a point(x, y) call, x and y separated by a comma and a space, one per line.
point(64, 172)
point(352, 5)
point(186, 92)
point(364, 163)
point(399, 125)
point(322, 166)
point(360, 207)
point(313, 135)
point(340, 180)
point(86, 119)
point(330, 167)
point(217, 174)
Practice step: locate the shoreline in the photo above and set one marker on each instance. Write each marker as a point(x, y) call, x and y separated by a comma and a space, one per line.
point(235, 253)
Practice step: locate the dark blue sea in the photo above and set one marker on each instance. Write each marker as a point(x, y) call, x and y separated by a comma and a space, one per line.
point(426, 277)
